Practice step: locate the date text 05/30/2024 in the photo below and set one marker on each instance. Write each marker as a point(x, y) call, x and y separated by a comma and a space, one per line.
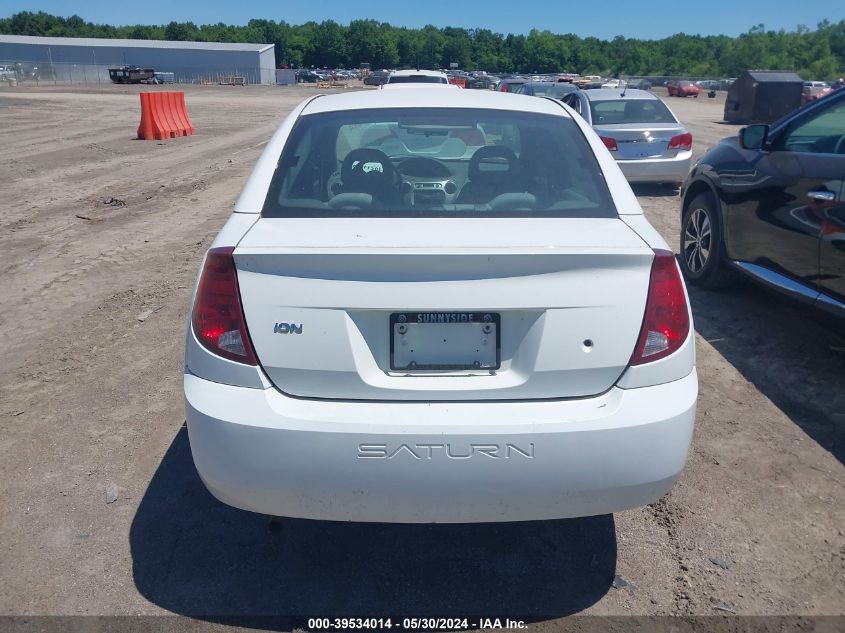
point(413, 624)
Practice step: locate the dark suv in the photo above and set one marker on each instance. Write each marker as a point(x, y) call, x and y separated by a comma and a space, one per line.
point(553, 89)
point(377, 78)
point(307, 76)
point(770, 204)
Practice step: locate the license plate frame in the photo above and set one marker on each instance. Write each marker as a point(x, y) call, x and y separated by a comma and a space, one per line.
point(439, 321)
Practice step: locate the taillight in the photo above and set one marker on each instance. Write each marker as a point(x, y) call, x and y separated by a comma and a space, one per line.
point(218, 318)
point(681, 141)
point(609, 143)
point(504, 88)
point(666, 322)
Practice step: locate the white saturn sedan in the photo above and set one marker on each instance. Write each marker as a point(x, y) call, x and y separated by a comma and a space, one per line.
point(438, 307)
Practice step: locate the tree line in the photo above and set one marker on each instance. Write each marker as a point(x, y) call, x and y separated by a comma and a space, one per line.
point(815, 53)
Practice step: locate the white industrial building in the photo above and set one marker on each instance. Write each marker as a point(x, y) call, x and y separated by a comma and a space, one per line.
point(88, 59)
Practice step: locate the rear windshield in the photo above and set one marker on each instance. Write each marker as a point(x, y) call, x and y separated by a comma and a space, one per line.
point(630, 111)
point(416, 79)
point(437, 162)
point(556, 90)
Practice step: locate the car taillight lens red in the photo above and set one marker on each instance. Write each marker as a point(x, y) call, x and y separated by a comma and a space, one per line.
point(218, 318)
point(609, 143)
point(666, 322)
point(682, 141)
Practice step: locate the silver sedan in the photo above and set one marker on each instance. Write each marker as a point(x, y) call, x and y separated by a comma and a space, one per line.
point(641, 132)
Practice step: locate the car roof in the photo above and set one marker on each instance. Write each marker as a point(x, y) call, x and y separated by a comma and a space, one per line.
point(432, 98)
point(425, 73)
point(417, 86)
point(553, 84)
point(614, 94)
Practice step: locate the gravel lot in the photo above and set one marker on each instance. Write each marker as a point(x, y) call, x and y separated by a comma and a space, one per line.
point(101, 510)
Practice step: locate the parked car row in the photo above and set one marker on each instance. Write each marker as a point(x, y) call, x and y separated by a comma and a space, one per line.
point(305, 75)
point(505, 82)
point(715, 84)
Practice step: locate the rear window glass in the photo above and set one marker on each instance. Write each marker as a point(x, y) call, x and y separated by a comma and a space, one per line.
point(416, 79)
point(556, 90)
point(561, 90)
point(630, 111)
point(437, 162)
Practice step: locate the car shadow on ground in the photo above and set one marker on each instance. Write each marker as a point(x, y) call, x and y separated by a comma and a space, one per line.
point(788, 352)
point(654, 190)
point(195, 556)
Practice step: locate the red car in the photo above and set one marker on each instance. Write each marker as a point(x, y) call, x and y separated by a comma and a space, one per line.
point(682, 89)
point(807, 95)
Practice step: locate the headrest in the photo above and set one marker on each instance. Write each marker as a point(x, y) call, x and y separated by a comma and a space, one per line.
point(493, 163)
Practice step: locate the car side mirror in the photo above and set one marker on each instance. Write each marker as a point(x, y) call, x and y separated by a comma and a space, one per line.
point(753, 136)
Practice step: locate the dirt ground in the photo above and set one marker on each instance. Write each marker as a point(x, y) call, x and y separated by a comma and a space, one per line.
point(101, 510)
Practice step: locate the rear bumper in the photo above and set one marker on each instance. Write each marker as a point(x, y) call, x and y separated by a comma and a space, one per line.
point(467, 462)
point(657, 169)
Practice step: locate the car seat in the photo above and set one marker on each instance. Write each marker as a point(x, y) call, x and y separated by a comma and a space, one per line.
point(493, 170)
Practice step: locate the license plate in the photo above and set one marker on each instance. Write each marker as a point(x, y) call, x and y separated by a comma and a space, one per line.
point(444, 341)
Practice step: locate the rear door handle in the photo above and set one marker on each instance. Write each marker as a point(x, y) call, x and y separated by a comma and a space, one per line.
point(821, 196)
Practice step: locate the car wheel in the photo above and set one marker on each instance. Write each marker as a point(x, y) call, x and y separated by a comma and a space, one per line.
point(702, 244)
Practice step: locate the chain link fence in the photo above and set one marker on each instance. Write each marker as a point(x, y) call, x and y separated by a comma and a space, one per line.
point(28, 73)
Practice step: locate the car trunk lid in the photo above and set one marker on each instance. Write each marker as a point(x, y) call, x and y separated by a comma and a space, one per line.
point(324, 300)
point(641, 140)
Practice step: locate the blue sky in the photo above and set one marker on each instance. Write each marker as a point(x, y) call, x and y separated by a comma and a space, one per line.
point(646, 19)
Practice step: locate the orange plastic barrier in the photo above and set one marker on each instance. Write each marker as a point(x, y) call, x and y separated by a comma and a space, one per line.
point(164, 115)
point(460, 83)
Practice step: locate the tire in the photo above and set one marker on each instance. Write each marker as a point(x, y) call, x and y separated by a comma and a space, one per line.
point(702, 244)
